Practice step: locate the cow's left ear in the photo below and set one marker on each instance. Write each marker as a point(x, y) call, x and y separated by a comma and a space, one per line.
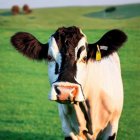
point(109, 43)
point(29, 46)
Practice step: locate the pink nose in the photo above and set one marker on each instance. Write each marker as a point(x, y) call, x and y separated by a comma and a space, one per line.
point(65, 93)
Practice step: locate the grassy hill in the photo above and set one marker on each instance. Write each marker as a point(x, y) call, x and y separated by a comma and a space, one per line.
point(118, 12)
point(25, 112)
point(52, 18)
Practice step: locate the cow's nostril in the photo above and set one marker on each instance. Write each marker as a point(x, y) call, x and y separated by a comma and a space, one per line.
point(57, 90)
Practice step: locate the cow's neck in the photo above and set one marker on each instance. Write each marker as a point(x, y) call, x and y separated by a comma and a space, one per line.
point(99, 91)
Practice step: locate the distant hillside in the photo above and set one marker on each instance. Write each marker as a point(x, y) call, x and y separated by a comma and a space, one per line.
point(125, 17)
point(119, 12)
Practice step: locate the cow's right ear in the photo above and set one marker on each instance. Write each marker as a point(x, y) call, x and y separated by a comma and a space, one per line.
point(29, 46)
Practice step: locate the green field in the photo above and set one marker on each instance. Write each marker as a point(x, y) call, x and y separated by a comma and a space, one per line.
point(25, 111)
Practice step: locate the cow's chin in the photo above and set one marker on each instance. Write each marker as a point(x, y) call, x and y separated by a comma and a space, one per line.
point(66, 92)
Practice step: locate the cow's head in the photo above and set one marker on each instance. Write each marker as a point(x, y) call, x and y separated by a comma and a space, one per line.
point(67, 53)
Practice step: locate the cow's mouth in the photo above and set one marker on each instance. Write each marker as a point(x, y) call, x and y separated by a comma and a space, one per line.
point(65, 92)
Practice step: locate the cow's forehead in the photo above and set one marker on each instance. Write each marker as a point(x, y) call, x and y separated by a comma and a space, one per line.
point(68, 37)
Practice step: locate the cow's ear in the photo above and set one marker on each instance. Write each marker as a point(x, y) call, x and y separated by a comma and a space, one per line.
point(29, 46)
point(109, 43)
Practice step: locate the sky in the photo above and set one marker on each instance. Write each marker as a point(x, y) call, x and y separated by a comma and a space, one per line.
point(60, 3)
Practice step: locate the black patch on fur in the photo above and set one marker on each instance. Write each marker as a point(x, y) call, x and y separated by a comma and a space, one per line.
point(29, 46)
point(67, 71)
point(112, 137)
point(79, 51)
point(56, 68)
point(87, 117)
point(113, 39)
point(67, 39)
point(57, 90)
point(68, 138)
point(99, 136)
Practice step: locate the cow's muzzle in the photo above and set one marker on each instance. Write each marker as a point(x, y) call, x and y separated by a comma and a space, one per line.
point(65, 92)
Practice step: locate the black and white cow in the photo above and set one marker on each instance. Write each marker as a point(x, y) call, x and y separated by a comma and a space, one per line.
point(85, 79)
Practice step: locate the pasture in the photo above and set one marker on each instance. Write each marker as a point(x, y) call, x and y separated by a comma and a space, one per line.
point(25, 111)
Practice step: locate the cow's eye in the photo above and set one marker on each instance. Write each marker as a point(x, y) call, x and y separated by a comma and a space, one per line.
point(84, 60)
point(50, 58)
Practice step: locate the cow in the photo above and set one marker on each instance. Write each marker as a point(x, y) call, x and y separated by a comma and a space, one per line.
point(85, 79)
point(15, 10)
point(26, 9)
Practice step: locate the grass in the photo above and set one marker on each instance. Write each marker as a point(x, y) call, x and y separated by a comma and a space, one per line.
point(25, 112)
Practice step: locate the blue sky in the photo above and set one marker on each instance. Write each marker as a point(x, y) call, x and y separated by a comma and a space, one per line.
point(59, 3)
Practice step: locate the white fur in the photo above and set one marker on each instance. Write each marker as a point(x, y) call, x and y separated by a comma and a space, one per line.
point(106, 74)
point(53, 51)
point(53, 48)
point(104, 84)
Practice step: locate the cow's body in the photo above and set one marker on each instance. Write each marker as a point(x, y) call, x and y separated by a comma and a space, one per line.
point(104, 96)
point(88, 88)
